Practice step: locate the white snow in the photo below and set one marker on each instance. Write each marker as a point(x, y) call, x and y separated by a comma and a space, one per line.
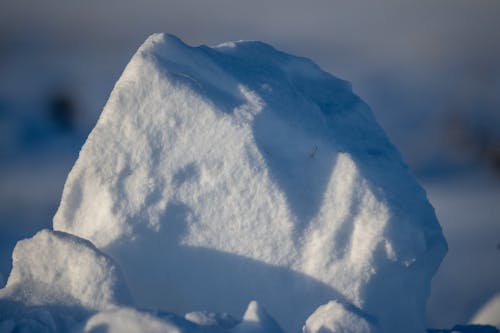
point(215, 176)
point(128, 320)
point(334, 317)
point(212, 321)
point(489, 313)
point(59, 269)
point(257, 320)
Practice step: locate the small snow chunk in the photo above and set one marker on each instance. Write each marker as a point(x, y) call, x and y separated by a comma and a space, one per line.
point(333, 317)
point(55, 268)
point(130, 321)
point(257, 320)
point(222, 321)
point(229, 45)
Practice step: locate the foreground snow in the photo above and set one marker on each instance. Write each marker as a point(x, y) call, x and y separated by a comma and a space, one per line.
point(216, 176)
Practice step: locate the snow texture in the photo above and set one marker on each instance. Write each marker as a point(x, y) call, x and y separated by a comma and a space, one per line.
point(489, 313)
point(55, 268)
point(215, 176)
point(335, 318)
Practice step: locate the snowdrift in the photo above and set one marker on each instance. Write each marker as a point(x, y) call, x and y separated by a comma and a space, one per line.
point(216, 176)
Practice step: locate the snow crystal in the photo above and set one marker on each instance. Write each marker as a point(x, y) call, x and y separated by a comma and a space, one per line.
point(215, 176)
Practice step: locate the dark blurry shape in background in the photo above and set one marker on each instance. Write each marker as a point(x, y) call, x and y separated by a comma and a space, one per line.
point(430, 70)
point(62, 111)
point(476, 139)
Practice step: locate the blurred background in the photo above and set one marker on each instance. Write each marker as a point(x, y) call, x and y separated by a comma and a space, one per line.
point(430, 70)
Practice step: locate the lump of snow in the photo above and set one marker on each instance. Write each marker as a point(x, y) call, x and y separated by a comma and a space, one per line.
point(215, 176)
point(128, 320)
point(256, 320)
point(211, 320)
point(334, 317)
point(57, 269)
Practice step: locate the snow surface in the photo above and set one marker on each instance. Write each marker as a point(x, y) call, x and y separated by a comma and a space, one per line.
point(240, 172)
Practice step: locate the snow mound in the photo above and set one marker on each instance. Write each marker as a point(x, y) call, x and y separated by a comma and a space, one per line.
point(58, 269)
point(489, 313)
point(215, 176)
point(257, 320)
point(334, 317)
